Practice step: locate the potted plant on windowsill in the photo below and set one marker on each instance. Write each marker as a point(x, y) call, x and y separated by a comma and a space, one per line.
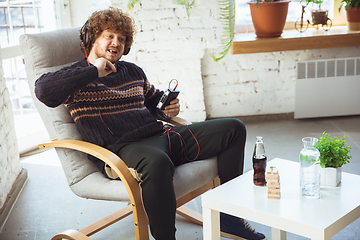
point(318, 16)
point(269, 16)
point(352, 8)
point(333, 155)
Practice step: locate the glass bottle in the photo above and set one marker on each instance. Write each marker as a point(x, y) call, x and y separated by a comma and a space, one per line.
point(259, 162)
point(309, 174)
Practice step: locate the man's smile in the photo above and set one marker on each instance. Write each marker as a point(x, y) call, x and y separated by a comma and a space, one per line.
point(112, 51)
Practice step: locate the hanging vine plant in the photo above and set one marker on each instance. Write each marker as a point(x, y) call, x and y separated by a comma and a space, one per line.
point(227, 19)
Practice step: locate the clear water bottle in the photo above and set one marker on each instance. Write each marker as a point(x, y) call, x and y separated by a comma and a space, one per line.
point(310, 168)
point(259, 162)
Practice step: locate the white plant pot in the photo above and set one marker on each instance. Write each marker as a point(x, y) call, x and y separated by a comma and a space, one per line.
point(330, 176)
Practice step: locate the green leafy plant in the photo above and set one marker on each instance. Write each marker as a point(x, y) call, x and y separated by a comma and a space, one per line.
point(333, 152)
point(318, 2)
point(349, 4)
point(189, 5)
point(227, 18)
point(131, 4)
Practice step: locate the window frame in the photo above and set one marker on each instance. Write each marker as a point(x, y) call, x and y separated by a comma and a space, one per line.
point(43, 19)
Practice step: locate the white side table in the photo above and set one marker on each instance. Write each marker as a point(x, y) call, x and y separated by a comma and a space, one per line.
point(317, 219)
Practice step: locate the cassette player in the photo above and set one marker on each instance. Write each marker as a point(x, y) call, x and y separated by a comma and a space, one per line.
point(167, 97)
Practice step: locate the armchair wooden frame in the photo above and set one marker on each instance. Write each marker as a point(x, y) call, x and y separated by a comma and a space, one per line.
point(132, 186)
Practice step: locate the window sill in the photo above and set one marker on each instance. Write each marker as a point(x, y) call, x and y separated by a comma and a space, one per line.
point(338, 36)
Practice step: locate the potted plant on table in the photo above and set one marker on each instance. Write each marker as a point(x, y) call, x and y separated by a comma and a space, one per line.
point(352, 8)
point(333, 155)
point(269, 16)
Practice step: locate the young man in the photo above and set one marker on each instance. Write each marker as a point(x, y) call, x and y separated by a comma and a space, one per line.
point(113, 105)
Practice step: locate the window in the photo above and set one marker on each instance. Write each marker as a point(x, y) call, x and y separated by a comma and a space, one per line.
point(17, 18)
point(243, 20)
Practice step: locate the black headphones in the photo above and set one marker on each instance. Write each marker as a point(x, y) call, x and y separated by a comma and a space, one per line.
point(85, 37)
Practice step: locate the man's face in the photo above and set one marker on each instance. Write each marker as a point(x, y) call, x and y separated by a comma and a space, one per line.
point(109, 45)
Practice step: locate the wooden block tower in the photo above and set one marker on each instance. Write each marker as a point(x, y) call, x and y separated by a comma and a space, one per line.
point(273, 183)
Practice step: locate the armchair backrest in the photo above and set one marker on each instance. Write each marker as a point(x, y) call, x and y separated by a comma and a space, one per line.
point(51, 51)
point(47, 52)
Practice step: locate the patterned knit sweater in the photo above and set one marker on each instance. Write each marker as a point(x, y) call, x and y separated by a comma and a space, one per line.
point(122, 101)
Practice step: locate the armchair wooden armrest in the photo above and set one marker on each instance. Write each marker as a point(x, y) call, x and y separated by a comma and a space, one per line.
point(101, 153)
point(177, 121)
point(71, 234)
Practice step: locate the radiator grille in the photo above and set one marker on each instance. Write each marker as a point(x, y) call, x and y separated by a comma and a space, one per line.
point(328, 68)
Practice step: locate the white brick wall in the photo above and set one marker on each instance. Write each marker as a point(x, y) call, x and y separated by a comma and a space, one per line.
point(80, 10)
point(257, 84)
point(169, 45)
point(9, 155)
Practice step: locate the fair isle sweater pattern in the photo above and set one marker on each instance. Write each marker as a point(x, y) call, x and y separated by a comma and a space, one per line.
point(105, 110)
point(111, 96)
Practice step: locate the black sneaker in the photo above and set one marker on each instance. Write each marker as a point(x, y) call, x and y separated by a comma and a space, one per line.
point(237, 228)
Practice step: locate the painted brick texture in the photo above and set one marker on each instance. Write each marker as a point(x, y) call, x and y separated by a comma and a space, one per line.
point(257, 84)
point(9, 155)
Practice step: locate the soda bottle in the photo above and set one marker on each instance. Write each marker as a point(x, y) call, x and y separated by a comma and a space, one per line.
point(259, 162)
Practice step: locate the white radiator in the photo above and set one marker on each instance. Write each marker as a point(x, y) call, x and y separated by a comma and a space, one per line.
point(327, 88)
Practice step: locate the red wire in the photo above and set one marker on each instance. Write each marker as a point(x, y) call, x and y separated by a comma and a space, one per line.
point(168, 134)
point(176, 83)
point(170, 131)
point(87, 58)
point(196, 143)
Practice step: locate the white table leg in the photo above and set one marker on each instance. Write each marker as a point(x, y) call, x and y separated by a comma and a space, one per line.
point(211, 224)
point(277, 234)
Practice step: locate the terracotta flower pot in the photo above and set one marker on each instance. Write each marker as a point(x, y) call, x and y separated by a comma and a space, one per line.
point(353, 18)
point(269, 17)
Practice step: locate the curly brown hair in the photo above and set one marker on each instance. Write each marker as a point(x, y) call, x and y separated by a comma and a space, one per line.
point(110, 19)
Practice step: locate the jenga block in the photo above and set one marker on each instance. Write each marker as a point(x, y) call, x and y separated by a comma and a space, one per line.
point(273, 184)
point(273, 176)
point(274, 193)
point(273, 196)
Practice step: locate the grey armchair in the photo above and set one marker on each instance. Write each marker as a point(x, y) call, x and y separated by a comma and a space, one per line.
point(51, 51)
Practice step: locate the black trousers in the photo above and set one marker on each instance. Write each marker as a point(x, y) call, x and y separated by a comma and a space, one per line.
point(155, 162)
